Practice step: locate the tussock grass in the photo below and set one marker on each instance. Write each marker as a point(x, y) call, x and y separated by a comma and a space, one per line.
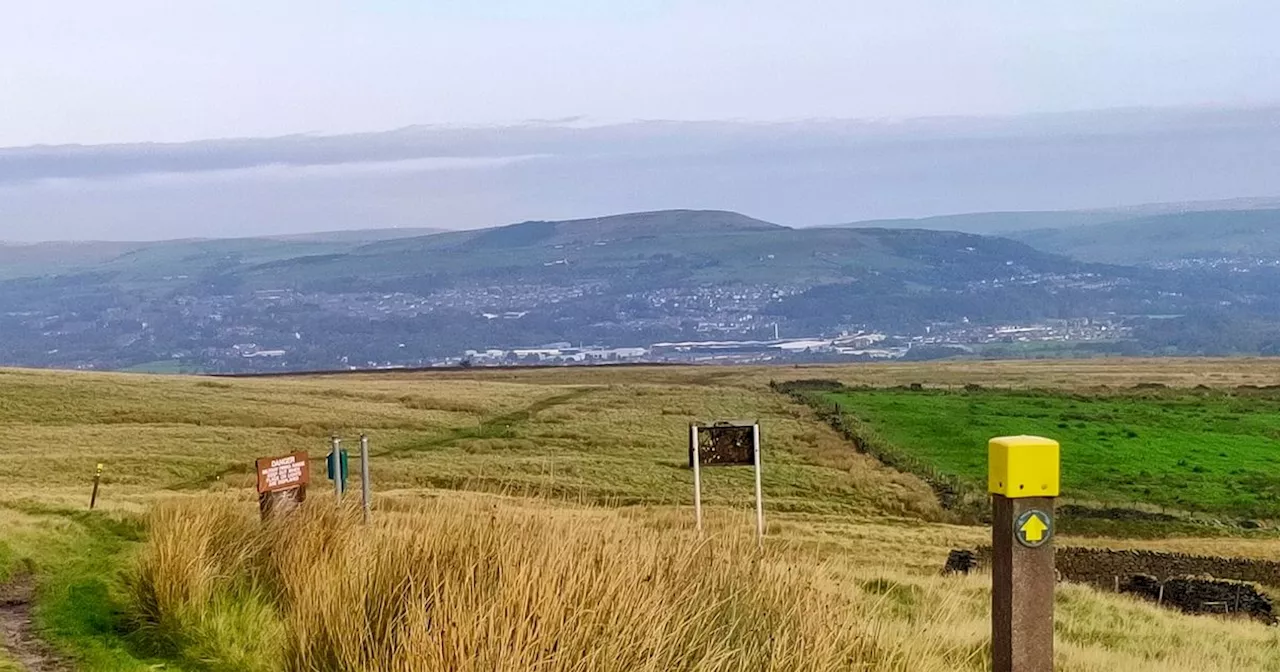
point(458, 585)
point(457, 580)
point(471, 582)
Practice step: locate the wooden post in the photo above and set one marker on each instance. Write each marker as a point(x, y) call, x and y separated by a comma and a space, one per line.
point(97, 478)
point(366, 486)
point(336, 457)
point(759, 467)
point(695, 460)
point(1023, 479)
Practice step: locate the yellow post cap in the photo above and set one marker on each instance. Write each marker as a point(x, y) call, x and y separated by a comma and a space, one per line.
point(1023, 466)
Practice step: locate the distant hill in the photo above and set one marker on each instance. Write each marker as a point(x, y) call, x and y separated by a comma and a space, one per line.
point(1166, 238)
point(19, 259)
point(356, 236)
point(178, 257)
point(1001, 223)
point(329, 301)
point(643, 250)
point(997, 223)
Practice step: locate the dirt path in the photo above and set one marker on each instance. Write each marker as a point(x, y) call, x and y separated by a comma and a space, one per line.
point(16, 635)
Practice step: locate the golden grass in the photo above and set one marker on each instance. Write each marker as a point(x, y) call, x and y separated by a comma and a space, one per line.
point(491, 583)
point(618, 443)
point(1042, 373)
point(849, 578)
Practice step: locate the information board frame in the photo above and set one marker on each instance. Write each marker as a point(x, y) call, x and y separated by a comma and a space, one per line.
point(723, 449)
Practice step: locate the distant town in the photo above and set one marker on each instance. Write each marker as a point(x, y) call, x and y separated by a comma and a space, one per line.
point(951, 339)
point(861, 345)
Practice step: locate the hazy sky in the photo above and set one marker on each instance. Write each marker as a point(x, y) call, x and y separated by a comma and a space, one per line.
point(90, 71)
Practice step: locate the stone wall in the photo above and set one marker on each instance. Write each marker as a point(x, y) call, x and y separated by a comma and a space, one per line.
point(1100, 566)
point(1195, 584)
point(1203, 596)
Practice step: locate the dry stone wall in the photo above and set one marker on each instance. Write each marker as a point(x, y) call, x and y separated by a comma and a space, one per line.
point(1100, 566)
point(1203, 596)
point(1196, 584)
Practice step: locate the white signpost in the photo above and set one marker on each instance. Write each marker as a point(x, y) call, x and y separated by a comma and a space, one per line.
point(726, 444)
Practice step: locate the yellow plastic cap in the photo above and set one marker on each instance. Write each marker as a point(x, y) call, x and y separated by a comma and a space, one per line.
point(1023, 466)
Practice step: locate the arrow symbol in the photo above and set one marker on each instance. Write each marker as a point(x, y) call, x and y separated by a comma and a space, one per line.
point(1033, 530)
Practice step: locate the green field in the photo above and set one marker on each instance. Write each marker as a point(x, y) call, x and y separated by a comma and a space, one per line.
point(1212, 452)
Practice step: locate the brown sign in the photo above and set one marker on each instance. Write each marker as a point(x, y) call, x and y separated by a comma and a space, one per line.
point(282, 473)
point(725, 445)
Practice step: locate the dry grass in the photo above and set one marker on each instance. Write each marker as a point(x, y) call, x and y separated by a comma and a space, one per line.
point(616, 443)
point(484, 586)
point(849, 579)
point(1044, 373)
point(488, 583)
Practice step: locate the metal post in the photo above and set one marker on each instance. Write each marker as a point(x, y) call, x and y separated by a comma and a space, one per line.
point(365, 484)
point(755, 440)
point(1023, 475)
point(97, 478)
point(337, 469)
point(696, 459)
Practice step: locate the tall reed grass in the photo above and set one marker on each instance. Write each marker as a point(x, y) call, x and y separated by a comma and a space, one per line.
point(476, 584)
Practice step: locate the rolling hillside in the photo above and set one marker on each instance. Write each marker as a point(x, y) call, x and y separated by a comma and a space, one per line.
point(1166, 239)
point(379, 299)
point(1015, 223)
point(655, 249)
point(177, 257)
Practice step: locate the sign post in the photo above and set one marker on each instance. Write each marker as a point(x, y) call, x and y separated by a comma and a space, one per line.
point(695, 462)
point(1023, 479)
point(97, 478)
point(759, 468)
point(366, 487)
point(726, 444)
point(335, 468)
point(281, 480)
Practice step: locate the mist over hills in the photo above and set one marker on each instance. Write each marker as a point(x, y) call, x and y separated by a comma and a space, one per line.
point(415, 272)
point(801, 173)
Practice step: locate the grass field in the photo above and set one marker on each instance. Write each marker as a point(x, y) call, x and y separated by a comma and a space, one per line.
point(616, 442)
point(1199, 450)
point(565, 464)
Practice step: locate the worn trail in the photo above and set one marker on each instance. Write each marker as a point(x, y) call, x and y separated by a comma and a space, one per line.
point(17, 636)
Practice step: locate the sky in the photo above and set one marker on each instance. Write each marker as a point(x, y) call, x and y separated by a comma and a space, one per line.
point(115, 116)
point(86, 71)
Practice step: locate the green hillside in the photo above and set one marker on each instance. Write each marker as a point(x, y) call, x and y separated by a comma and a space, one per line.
point(998, 223)
point(1166, 238)
point(653, 249)
point(1015, 223)
point(178, 257)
